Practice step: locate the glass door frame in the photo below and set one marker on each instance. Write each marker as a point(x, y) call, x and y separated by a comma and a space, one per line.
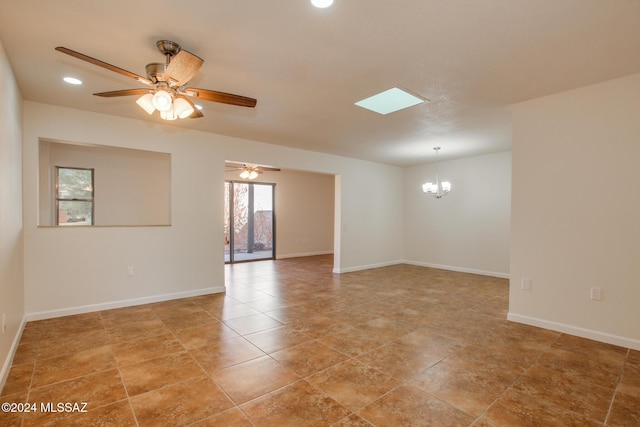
point(230, 209)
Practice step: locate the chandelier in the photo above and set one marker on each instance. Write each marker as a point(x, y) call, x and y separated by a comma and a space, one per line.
point(439, 189)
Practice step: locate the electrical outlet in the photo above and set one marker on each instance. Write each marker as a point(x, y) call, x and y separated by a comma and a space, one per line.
point(596, 294)
point(130, 271)
point(526, 284)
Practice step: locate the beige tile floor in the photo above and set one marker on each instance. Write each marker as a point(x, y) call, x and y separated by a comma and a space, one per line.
point(291, 344)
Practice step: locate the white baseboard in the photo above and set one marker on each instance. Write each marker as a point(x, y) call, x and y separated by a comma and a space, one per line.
point(303, 254)
point(577, 331)
point(458, 269)
point(40, 315)
point(366, 267)
point(6, 366)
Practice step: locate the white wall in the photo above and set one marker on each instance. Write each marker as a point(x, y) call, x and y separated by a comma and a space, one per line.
point(576, 211)
point(368, 203)
point(304, 211)
point(467, 230)
point(79, 269)
point(11, 249)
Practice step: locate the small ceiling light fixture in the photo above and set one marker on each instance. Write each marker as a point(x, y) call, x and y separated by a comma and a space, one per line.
point(146, 102)
point(162, 100)
point(171, 107)
point(439, 189)
point(390, 101)
point(249, 172)
point(322, 3)
point(182, 108)
point(72, 81)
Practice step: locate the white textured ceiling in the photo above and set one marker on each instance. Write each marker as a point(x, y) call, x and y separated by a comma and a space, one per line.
point(307, 66)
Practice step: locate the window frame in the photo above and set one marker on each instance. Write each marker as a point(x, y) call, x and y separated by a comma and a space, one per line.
point(58, 199)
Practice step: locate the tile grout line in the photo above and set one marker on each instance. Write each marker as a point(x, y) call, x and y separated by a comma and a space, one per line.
point(615, 391)
point(517, 378)
point(115, 360)
point(235, 404)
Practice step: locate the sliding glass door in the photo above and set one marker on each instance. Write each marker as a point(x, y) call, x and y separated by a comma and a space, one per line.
point(249, 223)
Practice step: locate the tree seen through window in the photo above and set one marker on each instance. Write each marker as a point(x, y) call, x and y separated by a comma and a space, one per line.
point(74, 196)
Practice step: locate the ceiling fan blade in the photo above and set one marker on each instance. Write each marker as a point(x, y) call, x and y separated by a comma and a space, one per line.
point(237, 166)
point(257, 168)
point(125, 92)
point(182, 67)
point(196, 114)
point(105, 65)
point(224, 98)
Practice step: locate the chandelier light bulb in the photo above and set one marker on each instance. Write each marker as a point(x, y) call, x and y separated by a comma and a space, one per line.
point(162, 100)
point(244, 174)
point(253, 174)
point(429, 187)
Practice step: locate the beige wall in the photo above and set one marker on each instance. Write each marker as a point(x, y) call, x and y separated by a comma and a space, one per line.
point(132, 187)
point(85, 268)
point(304, 211)
point(576, 211)
point(467, 230)
point(11, 242)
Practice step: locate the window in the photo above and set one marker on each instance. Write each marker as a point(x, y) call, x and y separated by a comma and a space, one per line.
point(74, 196)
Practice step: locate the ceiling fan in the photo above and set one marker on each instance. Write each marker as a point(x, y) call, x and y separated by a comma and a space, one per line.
point(249, 171)
point(167, 89)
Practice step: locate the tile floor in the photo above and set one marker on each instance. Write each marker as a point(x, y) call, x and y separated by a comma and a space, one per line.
point(291, 344)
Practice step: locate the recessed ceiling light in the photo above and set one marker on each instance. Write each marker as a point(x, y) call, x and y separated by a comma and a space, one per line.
point(72, 81)
point(390, 100)
point(322, 3)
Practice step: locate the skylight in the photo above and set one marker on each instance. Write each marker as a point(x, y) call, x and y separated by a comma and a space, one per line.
point(390, 101)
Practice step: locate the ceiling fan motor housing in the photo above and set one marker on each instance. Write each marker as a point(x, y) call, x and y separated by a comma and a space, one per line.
point(155, 71)
point(167, 47)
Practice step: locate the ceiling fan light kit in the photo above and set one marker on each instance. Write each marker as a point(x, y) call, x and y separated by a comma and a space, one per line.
point(249, 174)
point(162, 100)
point(249, 171)
point(167, 93)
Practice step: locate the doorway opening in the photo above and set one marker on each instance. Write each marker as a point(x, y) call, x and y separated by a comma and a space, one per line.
point(249, 221)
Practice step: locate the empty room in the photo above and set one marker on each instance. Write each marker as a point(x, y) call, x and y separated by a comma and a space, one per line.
point(320, 213)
